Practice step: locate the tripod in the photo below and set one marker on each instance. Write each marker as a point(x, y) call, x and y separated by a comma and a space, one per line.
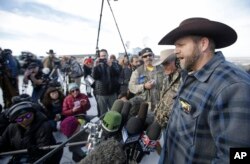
point(98, 34)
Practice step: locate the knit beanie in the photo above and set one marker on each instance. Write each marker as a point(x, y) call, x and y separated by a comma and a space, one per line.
point(73, 86)
point(69, 126)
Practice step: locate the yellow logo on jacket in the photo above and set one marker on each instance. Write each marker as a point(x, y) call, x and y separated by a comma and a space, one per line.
point(185, 106)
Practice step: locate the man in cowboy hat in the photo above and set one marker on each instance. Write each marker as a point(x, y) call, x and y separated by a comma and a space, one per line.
point(211, 109)
point(51, 61)
point(170, 85)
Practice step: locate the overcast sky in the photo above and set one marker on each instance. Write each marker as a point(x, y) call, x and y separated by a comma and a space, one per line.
point(71, 26)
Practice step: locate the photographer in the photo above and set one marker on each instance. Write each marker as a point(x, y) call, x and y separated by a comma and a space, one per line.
point(36, 76)
point(26, 58)
point(8, 76)
point(106, 75)
point(73, 69)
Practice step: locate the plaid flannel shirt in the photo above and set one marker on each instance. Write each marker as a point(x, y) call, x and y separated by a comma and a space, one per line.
point(210, 115)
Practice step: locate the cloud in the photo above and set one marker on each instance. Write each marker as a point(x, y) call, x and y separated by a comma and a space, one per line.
point(40, 11)
point(70, 27)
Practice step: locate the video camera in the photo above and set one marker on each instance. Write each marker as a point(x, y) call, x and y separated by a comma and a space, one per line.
point(102, 60)
point(57, 62)
point(3, 59)
point(3, 55)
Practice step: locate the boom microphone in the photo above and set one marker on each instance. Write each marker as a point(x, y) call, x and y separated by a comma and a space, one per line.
point(108, 151)
point(117, 106)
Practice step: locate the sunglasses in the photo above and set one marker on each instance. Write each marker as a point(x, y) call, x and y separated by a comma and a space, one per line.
point(74, 90)
point(26, 116)
point(145, 56)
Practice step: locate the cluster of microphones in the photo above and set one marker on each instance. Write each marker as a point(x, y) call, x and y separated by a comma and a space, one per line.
point(134, 133)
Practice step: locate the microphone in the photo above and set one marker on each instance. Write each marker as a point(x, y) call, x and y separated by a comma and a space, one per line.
point(132, 131)
point(130, 135)
point(154, 131)
point(143, 111)
point(108, 151)
point(136, 102)
point(125, 112)
point(117, 106)
point(111, 123)
point(149, 140)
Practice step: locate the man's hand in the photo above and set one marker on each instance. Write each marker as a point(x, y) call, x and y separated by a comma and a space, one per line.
point(150, 84)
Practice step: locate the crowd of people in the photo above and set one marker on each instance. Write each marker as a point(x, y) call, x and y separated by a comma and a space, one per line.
point(199, 100)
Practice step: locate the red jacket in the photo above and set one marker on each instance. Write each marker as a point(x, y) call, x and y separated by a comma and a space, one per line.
point(70, 102)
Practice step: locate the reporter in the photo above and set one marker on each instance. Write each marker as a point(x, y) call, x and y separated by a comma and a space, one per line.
point(53, 103)
point(76, 102)
point(29, 129)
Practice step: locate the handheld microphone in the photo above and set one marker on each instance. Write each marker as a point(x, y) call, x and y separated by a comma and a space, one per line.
point(149, 140)
point(136, 102)
point(131, 134)
point(125, 112)
point(111, 123)
point(117, 106)
point(132, 131)
point(143, 111)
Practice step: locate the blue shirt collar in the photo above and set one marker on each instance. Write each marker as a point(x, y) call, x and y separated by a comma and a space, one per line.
point(203, 74)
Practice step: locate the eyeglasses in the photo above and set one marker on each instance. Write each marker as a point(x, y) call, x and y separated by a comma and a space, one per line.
point(26, 116)
point(145, 56)
point(74, 90)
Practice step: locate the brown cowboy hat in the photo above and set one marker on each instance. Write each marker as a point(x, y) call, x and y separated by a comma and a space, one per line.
point(165, 56)
point(51, 52)
point(222, 34)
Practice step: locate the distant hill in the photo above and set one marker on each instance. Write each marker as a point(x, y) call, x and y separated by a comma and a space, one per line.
point(243, 62)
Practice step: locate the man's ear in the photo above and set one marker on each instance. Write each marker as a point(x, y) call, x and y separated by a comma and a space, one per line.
point(204, 44)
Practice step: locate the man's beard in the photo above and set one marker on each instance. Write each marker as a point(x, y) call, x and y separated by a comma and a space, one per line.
point(191, 61)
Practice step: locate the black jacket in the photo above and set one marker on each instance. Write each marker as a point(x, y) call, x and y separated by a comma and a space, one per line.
point(40, 134)
point(106, 79)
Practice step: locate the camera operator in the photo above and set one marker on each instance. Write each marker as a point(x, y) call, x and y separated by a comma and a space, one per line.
point(36, 76)
point(106, 74)
point(27, 58)
point(8, 76)
point(72, 68)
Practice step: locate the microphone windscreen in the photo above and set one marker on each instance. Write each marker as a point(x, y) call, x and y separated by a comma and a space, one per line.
point(111, 121)
point(154, 131)
point(117, 106)
point(125, 111)
point(136, 102)
point(108, 151)
point(134, 126)
point(143, 111)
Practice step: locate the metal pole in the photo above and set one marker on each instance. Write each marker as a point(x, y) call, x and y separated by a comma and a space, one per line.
point(60, 146)
point(117, 27)
point(43, 148)
point(100, 21)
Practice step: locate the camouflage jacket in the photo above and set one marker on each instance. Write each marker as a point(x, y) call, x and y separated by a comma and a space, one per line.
point(140, 76)
point(169, 90)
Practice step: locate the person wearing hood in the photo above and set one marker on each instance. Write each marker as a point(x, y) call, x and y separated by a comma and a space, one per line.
point(28, 129)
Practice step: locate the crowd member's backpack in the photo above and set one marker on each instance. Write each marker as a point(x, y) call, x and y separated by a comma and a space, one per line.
point(76, 69)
